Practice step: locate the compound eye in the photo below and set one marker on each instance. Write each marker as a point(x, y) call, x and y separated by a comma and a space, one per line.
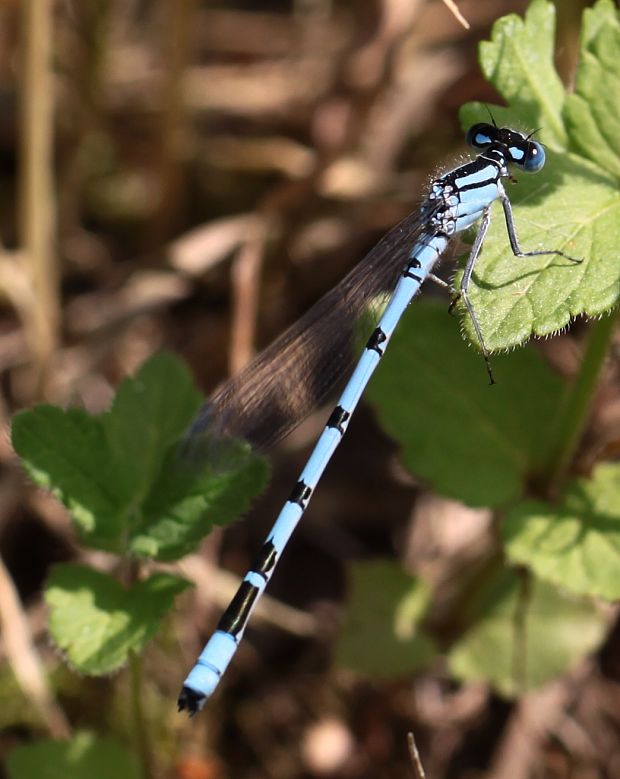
point(534, 157)
point(482, 135)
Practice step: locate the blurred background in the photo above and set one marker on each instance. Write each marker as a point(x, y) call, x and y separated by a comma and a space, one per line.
point(194, 175)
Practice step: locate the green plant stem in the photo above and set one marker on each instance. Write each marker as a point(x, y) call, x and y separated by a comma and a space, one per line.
point(139, 722)
point(574, 409)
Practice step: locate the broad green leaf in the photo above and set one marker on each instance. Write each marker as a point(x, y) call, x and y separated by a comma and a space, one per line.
point(521, 638)
point(575, 544)
point(381, 635)
point(97, 622)
point(121, 476)
point(471, 441)
point(573, 204)
point(84, 757)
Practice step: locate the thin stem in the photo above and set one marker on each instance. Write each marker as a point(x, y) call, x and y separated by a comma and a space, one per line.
point(37, 217)
point(178, 36)
point(573, 412)
point(21, 654)
point(416, 763)
point(137, 710)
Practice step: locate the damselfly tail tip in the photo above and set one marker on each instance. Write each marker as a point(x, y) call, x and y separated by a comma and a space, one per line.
point(191, 701)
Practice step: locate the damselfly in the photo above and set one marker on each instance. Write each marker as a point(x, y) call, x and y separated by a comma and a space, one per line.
point(283, 383)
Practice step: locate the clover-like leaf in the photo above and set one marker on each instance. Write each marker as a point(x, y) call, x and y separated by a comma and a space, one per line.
point(130, 487)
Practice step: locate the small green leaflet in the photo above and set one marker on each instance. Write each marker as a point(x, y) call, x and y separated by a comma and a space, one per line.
point(121, 476)
point(575, 544)
point(97, 622)
point(573, 204)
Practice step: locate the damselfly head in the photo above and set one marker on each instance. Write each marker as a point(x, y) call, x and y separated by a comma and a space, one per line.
point(519, 149)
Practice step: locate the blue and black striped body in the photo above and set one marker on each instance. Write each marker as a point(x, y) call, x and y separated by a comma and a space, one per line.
point(455, 201)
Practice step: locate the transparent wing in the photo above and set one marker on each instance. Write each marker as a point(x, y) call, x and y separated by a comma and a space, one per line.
point(304, 365)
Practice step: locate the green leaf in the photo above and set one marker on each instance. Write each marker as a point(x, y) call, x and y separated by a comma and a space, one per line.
point(573, 204)
point(576, 544)
point(381, 635)
point(67, 451)
point(518, 60)
point(97, 622)
point(471, 441)
point(191, 496)
point(150, 412)
point(513, 655)
point(130, 488)
point(593, 110)
point(84, 757)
